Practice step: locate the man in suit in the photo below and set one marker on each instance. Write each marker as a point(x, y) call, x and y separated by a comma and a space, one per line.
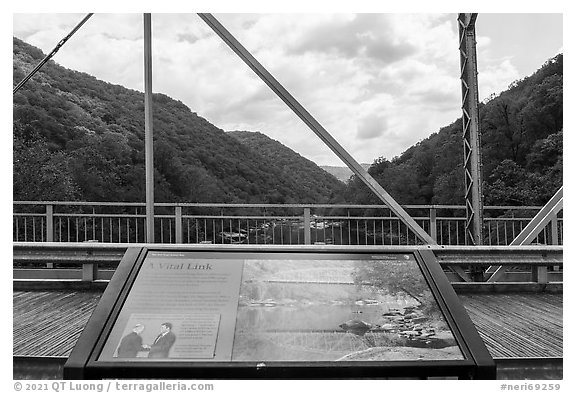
point(131, 344)
point(162, 344)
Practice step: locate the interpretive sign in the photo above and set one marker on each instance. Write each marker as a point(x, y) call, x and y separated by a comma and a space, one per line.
point(197, 297)
point(279, 313)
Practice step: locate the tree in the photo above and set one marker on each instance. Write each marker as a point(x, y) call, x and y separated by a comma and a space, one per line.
point(449, 187)
point(392, 276)
point(40, 174)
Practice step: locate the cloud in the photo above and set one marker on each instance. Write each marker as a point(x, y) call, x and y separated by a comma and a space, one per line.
point(190, 38)
point(377, 82)
point(371, 127)
point(361, 36)
point(496, 78)
point(356, 74)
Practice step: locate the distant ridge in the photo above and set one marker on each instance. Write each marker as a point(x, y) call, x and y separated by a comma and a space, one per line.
point(342, 173)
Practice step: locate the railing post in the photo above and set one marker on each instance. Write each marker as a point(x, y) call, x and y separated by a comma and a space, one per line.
point(178, 219)
point(540, 274)
point(49, 223)
point(89, 272)
point(49, 228)
point(433, 223)
point(307, 236)
point(554, 229)
point(554, 235)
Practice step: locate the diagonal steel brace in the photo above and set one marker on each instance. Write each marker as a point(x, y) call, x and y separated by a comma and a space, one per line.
point(534, 227)
point(316, 127)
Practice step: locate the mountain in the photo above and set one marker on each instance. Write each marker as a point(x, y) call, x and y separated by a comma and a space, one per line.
point(299, 170)
point(521, 148)
point(342, 173)
point(79, 138)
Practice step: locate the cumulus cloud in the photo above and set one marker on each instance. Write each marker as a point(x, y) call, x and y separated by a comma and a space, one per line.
point(496, 78)
point(372, 126)
point(359, 36)
point(377, 82)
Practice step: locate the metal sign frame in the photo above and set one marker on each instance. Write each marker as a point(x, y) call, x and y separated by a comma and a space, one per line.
point(83, 362)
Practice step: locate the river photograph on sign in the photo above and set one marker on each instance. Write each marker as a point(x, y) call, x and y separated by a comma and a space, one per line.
point(339, 310)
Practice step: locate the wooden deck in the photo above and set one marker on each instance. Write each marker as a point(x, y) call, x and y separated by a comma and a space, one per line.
point(48, 323)
point(522, 325)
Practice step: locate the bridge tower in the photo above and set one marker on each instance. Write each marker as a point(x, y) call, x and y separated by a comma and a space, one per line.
point(471, 129)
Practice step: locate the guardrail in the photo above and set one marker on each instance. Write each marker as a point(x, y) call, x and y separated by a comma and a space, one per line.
point(93, 262)
point(186, 223)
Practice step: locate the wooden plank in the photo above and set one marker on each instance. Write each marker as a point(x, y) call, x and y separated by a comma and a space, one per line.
point(48, 323)
point(518, 325)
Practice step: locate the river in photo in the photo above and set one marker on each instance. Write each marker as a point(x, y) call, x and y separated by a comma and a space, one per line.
point(281, 317)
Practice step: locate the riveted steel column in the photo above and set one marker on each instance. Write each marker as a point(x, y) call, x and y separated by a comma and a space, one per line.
point(471, 130)
point(148, 131)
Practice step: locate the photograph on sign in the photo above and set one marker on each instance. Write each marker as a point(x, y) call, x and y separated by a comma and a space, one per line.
point(170, 336)
point(198, 298)
point(340, 310)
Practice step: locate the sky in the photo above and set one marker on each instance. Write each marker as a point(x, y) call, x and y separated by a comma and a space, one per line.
point(378, 82)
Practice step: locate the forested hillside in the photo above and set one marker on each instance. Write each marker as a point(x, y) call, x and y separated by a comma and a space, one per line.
point(78, 138)
point(299, 170)
point(521, 151)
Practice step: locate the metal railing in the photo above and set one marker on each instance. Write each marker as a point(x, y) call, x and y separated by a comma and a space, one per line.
point(90, 262)
point(119, 222)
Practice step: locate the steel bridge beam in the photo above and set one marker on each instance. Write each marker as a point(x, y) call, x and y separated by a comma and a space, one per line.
point(544, 216)
point(471, 130)
point(148, 130)
point(547, 214)
point(316, 127)
point(91, 255)
point(51, 54)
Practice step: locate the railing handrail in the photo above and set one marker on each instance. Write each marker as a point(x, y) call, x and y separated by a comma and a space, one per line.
point(264, 205)
point(47, 221)
point(438, 249)
point(258, 217)
point(91, 255)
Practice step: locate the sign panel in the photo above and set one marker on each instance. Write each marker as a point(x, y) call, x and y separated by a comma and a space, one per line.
point(185, 306)
point(179, 308)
